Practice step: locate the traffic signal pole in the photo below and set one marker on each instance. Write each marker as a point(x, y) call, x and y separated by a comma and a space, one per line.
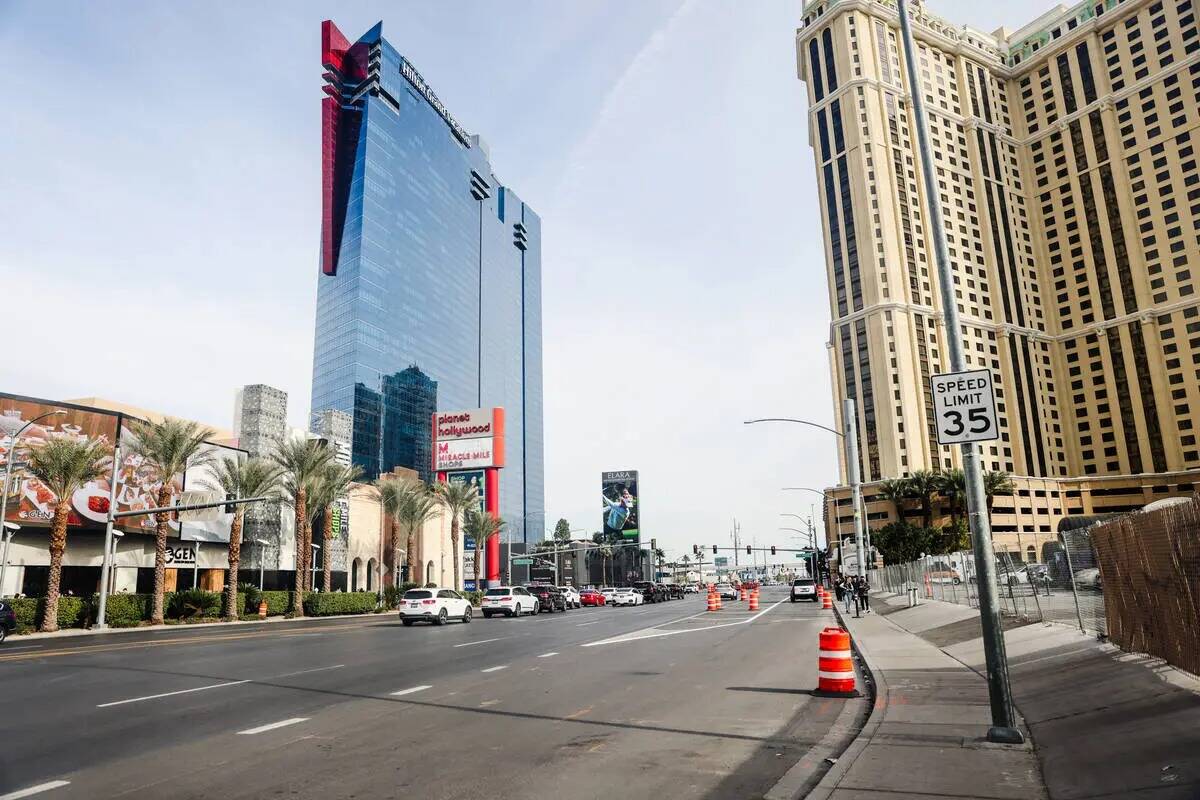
point(1003, 728)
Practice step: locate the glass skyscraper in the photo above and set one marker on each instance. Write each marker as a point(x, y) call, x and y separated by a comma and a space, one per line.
point(429, 293)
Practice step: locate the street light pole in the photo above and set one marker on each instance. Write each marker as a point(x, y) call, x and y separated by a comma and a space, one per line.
point(262, 557)
point(8, 530)
point(1000, 694)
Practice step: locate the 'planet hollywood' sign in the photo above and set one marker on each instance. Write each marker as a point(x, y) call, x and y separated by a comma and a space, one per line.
point(472, 439)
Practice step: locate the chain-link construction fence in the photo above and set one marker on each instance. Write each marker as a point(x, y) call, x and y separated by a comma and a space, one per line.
point(1134, 578)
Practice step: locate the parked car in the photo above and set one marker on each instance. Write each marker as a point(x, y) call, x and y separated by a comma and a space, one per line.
point(675, 591)
point(947, 575)
point(550, 599)
point(8, 620)
point(608, 592)
point(727, 591)
point(803, 589)
point(627, 596)
point(592, 597)
point(571, 595)
point(651, 593)
point(1089, 579)
point(691, 589)
point(434, 605)
point(511, 601)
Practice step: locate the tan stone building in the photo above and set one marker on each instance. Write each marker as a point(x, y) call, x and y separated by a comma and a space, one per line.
point(1067, 169)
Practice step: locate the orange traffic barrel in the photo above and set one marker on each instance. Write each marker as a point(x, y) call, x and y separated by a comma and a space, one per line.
point(753, 600)
point(712, 602)
point(835, 665)
point(743, 594)
point(718, 596)
point(827, 600)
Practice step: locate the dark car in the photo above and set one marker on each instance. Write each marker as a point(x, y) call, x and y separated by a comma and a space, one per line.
point(675, 591)
point(8, 620)
point(550, 598)
point(651, 593)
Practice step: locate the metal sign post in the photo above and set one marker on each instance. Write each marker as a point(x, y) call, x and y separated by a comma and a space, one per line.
point(1003, 728)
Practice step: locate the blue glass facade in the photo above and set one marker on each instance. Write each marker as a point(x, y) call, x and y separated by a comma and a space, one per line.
point(429, 294)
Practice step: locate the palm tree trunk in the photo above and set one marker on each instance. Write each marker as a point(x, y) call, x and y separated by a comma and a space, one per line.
point(160, 554)
point(454, 551)
point(478, 559)
point(395, 554)
point(410, 552)
point(235, 557)
point(301, 509)
point(58, 545)
point(327, 536)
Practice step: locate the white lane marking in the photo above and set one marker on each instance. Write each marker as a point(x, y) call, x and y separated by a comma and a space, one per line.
point(593, 622)
point(656, 632)
point(482, 641)
point(32, 790)
point(272, 726)
point(305, 671)
point(169, 694)
point(411, 690)
point(495, 669)
point(547, 655)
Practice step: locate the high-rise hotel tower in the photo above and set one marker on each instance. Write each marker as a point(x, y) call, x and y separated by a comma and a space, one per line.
point(1067, 173)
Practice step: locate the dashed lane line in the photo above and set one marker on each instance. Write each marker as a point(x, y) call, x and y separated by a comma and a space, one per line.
point(495, 669)
point(482, 641)
point(410, 690)
point(547, 655)
point(32, 790)
point(281, 724)
point(169, 694)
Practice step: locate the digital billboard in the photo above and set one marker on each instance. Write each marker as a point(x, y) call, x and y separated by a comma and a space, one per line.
point(474, 478)
point(621, 504)
point(32, 503)
point(215, 527)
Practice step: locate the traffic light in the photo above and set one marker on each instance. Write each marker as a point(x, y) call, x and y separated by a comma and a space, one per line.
point(653, 545)
point(695, 549)
point(772, 549)
point(230, 507)
point(714, 549)
point(748, 551)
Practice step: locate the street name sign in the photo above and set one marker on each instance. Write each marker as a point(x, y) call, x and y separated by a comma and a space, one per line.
point(964, 407)
point(522, 562)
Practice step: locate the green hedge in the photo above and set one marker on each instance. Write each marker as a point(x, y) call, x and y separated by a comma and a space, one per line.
point(323, 604)
point(73, 612)
point(475, 597)
point(278, 602)
point(127, 610)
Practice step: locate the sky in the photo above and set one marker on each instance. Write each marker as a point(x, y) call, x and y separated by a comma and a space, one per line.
point(159, 224)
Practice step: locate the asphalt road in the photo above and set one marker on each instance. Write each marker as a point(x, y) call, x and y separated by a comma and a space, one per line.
point(660, 700)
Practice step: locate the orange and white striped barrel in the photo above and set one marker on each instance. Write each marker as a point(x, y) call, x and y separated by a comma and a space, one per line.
point(712, 602)
point(743, 594)
point(827, 600)
point(753, 600)
point(835, 666)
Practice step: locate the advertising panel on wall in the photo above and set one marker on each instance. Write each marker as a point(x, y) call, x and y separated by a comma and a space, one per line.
point(32, 503)
point(621, 505)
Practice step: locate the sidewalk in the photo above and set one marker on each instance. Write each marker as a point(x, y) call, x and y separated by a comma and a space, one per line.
point(1104, 723)
point(924, 739)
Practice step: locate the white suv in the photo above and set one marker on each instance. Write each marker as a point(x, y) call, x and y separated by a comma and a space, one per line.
point(511, 601)
point(571, 595)
point(434, 605)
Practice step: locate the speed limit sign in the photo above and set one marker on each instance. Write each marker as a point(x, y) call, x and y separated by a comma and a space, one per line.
point(964, 407)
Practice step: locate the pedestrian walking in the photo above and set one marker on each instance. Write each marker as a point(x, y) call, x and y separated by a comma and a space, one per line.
point(838, 589)
point(847, 594)
point(864, 595)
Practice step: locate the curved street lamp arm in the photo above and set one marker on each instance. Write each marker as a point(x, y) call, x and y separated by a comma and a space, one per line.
point(796, 421)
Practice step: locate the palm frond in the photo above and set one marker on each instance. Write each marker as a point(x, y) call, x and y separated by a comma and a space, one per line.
point(65, 465)
point(170, 446)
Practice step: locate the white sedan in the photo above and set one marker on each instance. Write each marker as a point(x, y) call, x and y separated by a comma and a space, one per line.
point(434, 605)
point(627, 597)
point(608, 593)
point(571, 595)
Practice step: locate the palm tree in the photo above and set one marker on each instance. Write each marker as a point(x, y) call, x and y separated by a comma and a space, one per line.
point(169, 447)
point(303, 461)
point(479, 527)
point(923, 485)
point(419, 507)
point(255, 477)
point(64, 466)
point(606, 552)
point(457, 498)
point(895, 490)
point(393, 495)
point(953, 485)
point(995, 483)
point(335, 480)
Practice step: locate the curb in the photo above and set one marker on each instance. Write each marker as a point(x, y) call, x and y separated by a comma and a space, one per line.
point(175, 628)
point(797, 781)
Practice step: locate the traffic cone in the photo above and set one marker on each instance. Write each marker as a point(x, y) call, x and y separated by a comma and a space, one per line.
point(712, 602)
point(743, 598)
point(753, 600)
point(826, 601)
point(718, 595)
point(835, 667)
